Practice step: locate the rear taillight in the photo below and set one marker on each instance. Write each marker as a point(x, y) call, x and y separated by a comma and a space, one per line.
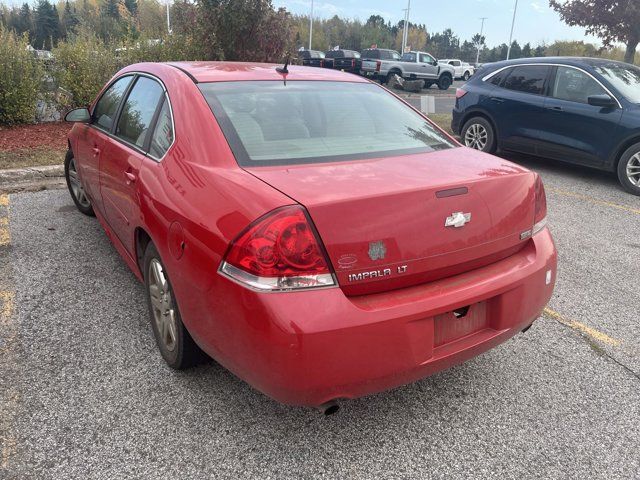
point(540, 219)
point(353, 63)
point(322, 63)
point(460, 92)
point(279, 251)
point(378, 65)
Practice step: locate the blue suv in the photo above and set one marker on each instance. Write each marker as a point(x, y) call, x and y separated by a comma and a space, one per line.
point(578, 110)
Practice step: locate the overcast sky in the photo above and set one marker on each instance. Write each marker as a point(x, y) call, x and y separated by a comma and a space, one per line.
point(535, 21)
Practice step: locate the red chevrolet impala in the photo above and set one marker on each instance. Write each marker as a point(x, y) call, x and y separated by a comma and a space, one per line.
point(306, 228)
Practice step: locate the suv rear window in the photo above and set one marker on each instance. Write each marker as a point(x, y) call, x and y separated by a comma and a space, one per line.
point(527, 79)
point(273, 123)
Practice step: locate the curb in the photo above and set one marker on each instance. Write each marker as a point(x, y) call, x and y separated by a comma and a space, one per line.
point(30, 174)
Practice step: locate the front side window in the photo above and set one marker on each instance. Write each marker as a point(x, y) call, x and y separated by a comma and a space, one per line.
point(527, 79)
point(394, 55)
point(624, 78)
point(105, 110)
point(575, 85)
point(273, 123)
point(426, 58)
point(162, 137)
point(138, 110)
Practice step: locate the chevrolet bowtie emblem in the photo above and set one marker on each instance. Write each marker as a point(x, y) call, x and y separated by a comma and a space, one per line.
point(457, 220)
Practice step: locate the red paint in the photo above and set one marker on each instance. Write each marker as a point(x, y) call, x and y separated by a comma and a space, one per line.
point(308, 347)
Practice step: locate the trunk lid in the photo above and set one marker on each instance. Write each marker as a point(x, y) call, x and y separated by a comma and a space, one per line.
point(382, 221)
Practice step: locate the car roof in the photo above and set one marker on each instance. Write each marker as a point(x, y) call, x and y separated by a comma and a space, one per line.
point(574, 61)
point(240, 71)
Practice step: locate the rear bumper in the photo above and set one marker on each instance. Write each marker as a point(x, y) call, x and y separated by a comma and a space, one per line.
point(307, 348)
point(456, 120)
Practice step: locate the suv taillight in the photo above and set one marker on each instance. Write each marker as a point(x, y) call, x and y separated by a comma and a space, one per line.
point(378, 65)
point(279, 251)
point(460, 92)
point(540, 219)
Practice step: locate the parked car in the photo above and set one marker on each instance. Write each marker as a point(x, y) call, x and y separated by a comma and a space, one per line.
point(462, 70)
point(577, 110)
point(309, 230)
point(347, 60)
point(312, 58)
point(411, 66)
point(370, 56)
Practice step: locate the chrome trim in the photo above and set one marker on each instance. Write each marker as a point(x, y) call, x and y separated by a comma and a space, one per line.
point(490, 75)
point(538, 227)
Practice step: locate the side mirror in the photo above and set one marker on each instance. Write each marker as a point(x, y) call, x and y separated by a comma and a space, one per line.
point(80, 115)
point(435, 63)
point(602, 101)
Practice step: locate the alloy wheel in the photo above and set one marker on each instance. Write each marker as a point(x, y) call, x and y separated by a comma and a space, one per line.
point(76, 186)
point(476, 137)
point(164, 313)
point(633, 170)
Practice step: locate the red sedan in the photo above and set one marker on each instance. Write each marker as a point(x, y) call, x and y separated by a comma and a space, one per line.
point(308, 229)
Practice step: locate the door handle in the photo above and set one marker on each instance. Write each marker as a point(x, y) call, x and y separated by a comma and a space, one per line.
point(556, 109)
point(497, 100)
point(131, 177)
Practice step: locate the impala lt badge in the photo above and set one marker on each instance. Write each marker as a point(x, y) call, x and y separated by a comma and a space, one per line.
point(457, 220)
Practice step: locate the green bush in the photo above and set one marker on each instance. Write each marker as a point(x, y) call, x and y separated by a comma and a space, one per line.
point(172, 48)
point(20, 79)
point(82, 65)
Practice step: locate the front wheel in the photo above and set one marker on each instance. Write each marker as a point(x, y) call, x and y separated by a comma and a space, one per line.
point(444, 82)
point(466, 76)
point(629, 169)
point(75, 186)
point(478, 134)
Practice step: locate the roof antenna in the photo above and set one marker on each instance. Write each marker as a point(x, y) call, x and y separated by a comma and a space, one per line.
point(284, 70)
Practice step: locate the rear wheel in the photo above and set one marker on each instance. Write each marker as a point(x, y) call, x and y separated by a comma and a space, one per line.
point(444, 82)
point(478, 134)
point(466, 76)
point(174, 342)
point(75, 186)
point(392, 74)
point(629, 169)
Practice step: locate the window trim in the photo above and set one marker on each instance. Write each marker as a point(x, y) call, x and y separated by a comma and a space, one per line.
point(545, 85)
point(104, 92)
point(152, 125)
point(490, 75)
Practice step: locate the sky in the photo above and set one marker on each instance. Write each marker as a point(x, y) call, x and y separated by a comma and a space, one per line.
point(536, 22)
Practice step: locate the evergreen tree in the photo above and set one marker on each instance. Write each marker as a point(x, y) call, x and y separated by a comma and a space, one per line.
point(24, 20)
point(46, 25)
point(132, 6)
point(70, 20)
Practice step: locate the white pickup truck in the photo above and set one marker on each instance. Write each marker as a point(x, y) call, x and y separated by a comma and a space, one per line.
point(412, 65)
point(463, 69)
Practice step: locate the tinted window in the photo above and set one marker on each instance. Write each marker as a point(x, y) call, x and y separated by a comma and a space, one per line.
point(138, 111)
point(106, 108)
point(500, 76)
point(394, 55)
point(409, 57)
point(269, 123)
point(334, 54)
point(163, 134)
point(575, 85)
point(373, 54)
point(624, 77)
point(527, 79)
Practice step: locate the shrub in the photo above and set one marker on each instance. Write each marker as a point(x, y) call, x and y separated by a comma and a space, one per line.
point(20, 79)
point(83, 64)
point(172, 48)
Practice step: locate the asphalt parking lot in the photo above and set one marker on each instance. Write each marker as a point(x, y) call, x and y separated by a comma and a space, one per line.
point(85, 394)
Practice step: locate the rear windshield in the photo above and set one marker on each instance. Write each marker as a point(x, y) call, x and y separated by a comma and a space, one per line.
point(273, 123)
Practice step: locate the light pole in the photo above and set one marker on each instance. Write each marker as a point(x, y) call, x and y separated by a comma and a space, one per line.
point(513, 22)
point(405, 33)
point(311, 25)
point(168, 19)
point(479, 45)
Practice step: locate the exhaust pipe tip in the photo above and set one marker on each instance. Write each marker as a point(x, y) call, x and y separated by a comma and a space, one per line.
point(329, 408)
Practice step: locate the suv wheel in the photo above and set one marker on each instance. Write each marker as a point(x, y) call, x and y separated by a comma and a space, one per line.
point(478, 134)
point(444, 82)
point(629, 169)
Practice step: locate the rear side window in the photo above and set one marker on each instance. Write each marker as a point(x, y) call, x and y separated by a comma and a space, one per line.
point(527, 79)
point(163, 134)
point(138, 111)
point(273, 123)
point(372, 54)
point(105, 110)
point(498, 78)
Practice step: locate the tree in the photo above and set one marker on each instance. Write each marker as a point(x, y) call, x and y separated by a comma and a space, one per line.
point(46, 25)
point(611, 20)
point(132, 6)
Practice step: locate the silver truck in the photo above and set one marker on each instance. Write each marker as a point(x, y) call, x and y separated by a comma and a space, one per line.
point(411, 66)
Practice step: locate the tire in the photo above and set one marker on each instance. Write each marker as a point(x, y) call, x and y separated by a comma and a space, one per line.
point(74, 184)
point(444, 82)
point(466, 76)
point(428, 84)
point(629, 169)
point(391, 74)
point(478, 133)
point(172, 338)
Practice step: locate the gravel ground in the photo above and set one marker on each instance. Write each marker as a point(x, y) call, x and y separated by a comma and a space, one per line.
point(86, 395)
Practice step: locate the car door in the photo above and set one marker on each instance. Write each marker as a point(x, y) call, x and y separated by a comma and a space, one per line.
point(95, 135)
point(124, 155)
point(428, 66)
point(457, 67)
point(517, 107)
point(573, 130)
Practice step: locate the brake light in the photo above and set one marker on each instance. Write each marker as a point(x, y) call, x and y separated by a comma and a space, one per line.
point(321, 63)
point(540, 219)
point(460, 92)
point(279, 251)
point(378, 65)
point(353, 63)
